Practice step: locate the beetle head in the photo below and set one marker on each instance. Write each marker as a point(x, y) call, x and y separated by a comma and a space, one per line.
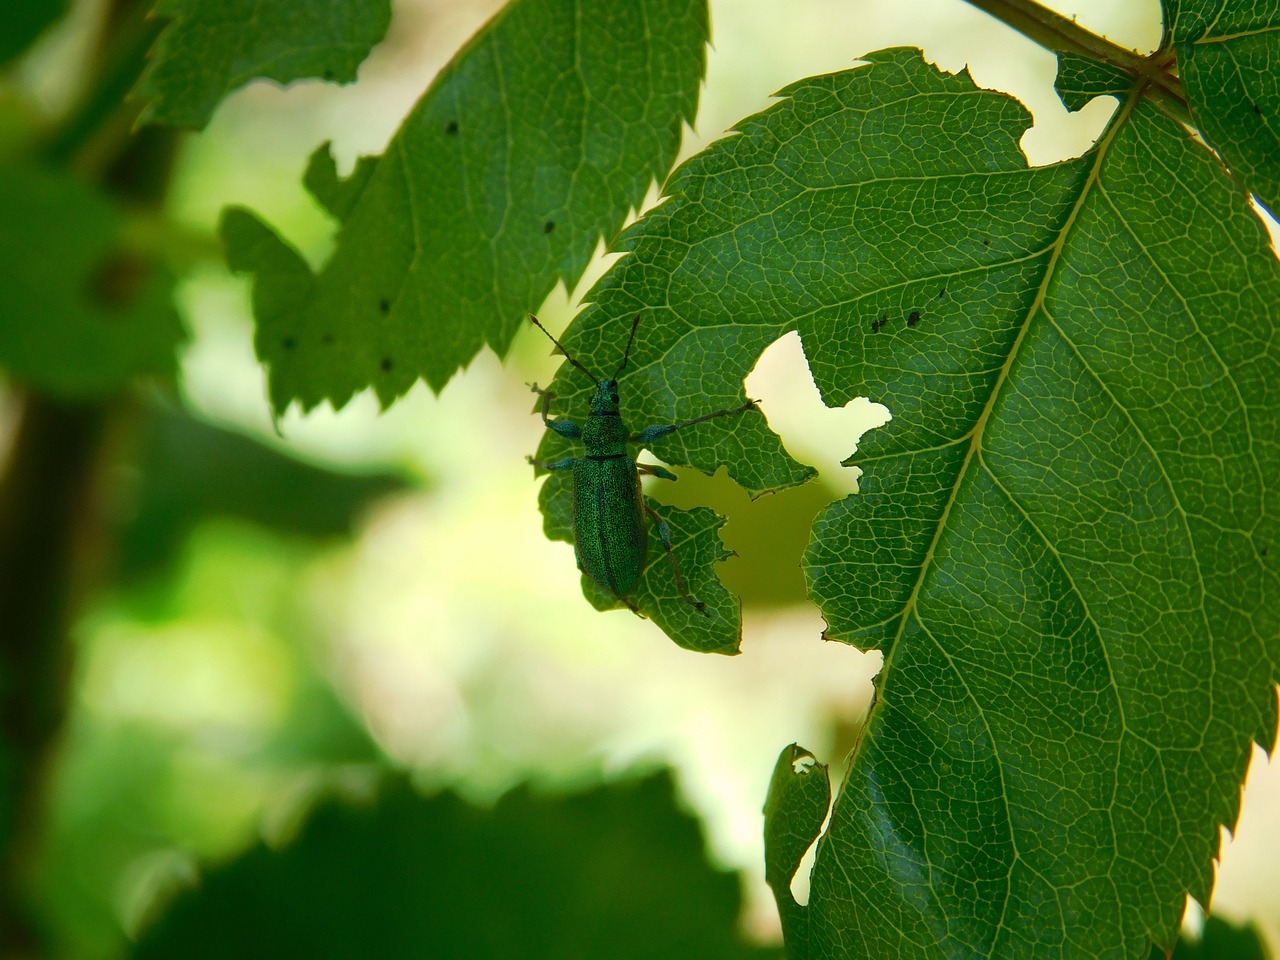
point(605, 399)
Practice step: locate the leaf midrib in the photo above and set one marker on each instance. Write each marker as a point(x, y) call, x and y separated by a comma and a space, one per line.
point(1037, 304)
point(974, 437)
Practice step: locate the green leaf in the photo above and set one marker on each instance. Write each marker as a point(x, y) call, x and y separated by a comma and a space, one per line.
point(1080, 79)
point(187, 471)
point(83, 316)
point(1219, 940)
point(337, 195)
point(529, 147)
point(1066, 542)
point(213, 47)
point(615, 872)
point(1068, 575)
point(22, 21)
point(1229, 59)
point(794, 810)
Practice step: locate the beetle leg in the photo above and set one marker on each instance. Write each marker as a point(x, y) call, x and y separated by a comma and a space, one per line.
point(664, 533)
point(566, 428)
point(565, 464)
point(631, 606)
point(662, 429)
point(653, 470)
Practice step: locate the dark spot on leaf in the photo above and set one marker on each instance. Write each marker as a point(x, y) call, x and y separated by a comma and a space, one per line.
point(327, 339)
point(548, 226)
point(913, 318)
point(1257, 109)
point(451, 126)
point(1265, 550)
point(986, 243)
point(288, 343)
point(942, 293)
point(877, 324)
point(386, 364)
point(328, 74)
point(384, 305)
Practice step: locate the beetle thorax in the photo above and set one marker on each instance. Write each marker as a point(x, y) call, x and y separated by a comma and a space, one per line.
point(604, 427)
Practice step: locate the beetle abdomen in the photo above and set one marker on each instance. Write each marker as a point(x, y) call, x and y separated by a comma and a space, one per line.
point(608, 521)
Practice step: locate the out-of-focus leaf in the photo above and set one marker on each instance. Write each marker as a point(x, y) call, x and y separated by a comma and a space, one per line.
point(618, 872)
point(22, 21)
point(187, 471)
point(82, 315)
point(1229, 58)
point(108, 803)
point(213, 47)
point(1219, 940)
point(530, 147)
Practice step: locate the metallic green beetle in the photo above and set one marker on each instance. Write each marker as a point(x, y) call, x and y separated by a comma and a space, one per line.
point(609, 535)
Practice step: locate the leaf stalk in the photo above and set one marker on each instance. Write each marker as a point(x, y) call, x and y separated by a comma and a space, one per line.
point(1061, 34)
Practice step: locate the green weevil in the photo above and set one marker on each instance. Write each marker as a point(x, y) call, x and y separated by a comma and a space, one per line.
point(609, 536)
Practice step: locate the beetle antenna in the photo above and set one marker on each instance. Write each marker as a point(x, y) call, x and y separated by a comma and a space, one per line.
point(630, 340)
point(562, 349)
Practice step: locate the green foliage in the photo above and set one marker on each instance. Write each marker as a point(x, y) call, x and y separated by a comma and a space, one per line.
point(187, 471)
point(1229, 59)
point(794, 810)
point(1065, 543)
point(1066, 567)
point(1080, 79)
point(22, 21)
point(527, 149)
point(1219, 940)
point(615, 872)
point(213, 47)
point(83, 314)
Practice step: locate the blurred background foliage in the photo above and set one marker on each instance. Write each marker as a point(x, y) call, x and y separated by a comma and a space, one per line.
point(234, 623)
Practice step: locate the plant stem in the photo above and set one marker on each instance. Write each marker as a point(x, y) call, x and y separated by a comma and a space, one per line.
point(47, 523)
point(106, 113)
point(52, 518)
point(1060, 34)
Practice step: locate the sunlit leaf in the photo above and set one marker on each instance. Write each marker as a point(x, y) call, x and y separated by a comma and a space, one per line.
point(1080, 79)
point(527, 150)
point(1229, 58)
point(794, 811)
point(1064, 538)
point(213, 47)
